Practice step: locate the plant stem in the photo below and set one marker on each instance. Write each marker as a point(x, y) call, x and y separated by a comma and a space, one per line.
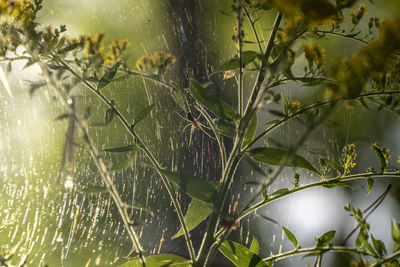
point(390, 258)
point(240, 53)
point(252, 27)
point(147, 152)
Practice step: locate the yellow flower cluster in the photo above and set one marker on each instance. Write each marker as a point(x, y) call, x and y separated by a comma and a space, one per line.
point(348, 157)
point(294, 105)
point(157, 62)
point(20, 11)
point(115, 51)
point(314, 54)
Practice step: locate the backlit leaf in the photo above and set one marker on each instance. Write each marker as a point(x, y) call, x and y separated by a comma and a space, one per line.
point(326, 238)
point(254, 246)
point(251, 130)
point(232, 64)
point(71, 47)
point(395, 231)
point(143, 114)
point(280, 157)
point(197, 212)
point(193, 186)
point(291, 237)
point(108, 76)
point(240, 255)
point(370, 183)
point(162, 260)
point(109, 115)
point(217, 106)
point(121, 148)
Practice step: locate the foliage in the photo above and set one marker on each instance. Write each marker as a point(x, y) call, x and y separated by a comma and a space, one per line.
point(369, 76)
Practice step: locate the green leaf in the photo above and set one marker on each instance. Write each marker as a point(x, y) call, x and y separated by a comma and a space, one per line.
point(276, 113)
point(271, 122)
point(63, 116)
point(326, 238)
point(362, 240)
point(255, 167)
point(280, 191)
point(395, 231)
point(94, 190)
point(335, 183)
point(280, 157)
point(379, 246)
point(162, 260)
point(109, 116)
point(122, 165)
point(71, 47)
point(121, 148)
point(382, 156)
point(254, 246)
point(197, 212)
point(332, 164)
point(232, 64)
point(179, 98)
point(108, 76)
point(240, 255)
point(291, 237)
point(193, 186)
point(217, 106)
point(370, 183)
point(142, 114)
point(251, 130)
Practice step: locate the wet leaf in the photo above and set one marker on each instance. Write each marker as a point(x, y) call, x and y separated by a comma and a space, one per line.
point(193, 186)
point(121, 148)
point(108, 76)
point(142, 114)
point(291, 237)
point(240, 255)
point(162, 260)
point(251, 130)
point(218, 107)
point(254, 246)
point(232, 64)
point(70, 47)
point(197, 212)
point(109, 115)
point(280, 157)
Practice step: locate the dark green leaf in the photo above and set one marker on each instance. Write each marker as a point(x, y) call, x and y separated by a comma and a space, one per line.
point(232, 64)
point(109, 115)
point(122, 164)
point(108, 76)
point(143, 114)
point(276, 113)
point(251, 130)
point(280, 191)
point(197, 212)
point(254, 246)
point(193, 186)
point(255, 167)
point(362, 240)
point(55, 67)
point(163, 260)
point(389, 100)
point(370, 183)
point(271, 122)
point(179, 98)
point(9, 67)
point(217, 106)
point(332, 164)
point(326, 238)
point(94, 190)
point(280, 157)
point(240, 255)
point(395, 231)
point(291, 237)
point(121, 148)
point(70, 47)
point(63, 116)
point(379, 246)
point(337, 183)
point(383, 160)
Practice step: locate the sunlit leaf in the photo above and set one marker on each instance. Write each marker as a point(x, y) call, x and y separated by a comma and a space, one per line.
point(162, 260)
point(370, 183)
point(254, 247)
point(71, 47)
point(217, 106)
point(143, 114)
point(121, 148)
point(251, 130)
point(240, 255)
point(108, 76)
point(193, 186)
point(280, 157)
point(108, 117)
point(232, 64)
point(197, 212)
point(291, 237)
point(325, 239)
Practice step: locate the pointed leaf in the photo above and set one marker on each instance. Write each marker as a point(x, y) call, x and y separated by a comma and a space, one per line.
point(121, 148)
point(197, 212)
point(370, 183)
point(379, 246)
point(71, 47)
point(62, 117)
point(254, 246)
point(271, 122)
point(332, 164)
point(395, 231)
point(162, 260)
point(217, 106)
point(193, 186)
point(109, 115)
point(232, 64)
point(108, 76)
point(326, 238)
point(280, 191)
point(280, 157)
point(240, 255)
point(337, 183)
point(291, 237)
point(251, 130)
point(143, 114)
point(122, 164)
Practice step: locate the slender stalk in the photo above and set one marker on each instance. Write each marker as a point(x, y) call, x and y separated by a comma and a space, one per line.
point(147, 152)
point(240, 53)
point(394, 256)
point(249, 18)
